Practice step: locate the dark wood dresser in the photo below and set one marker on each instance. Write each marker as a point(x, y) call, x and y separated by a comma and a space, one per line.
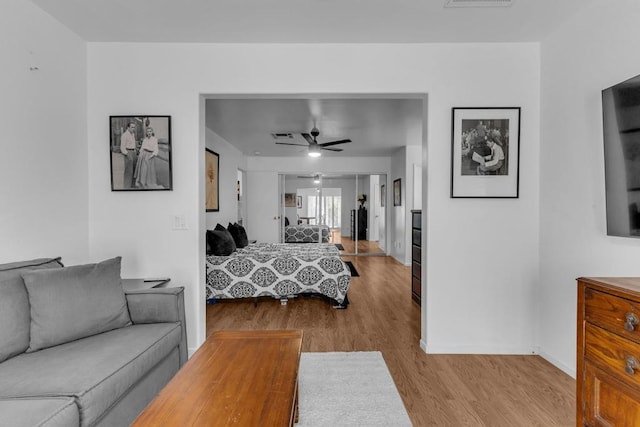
point(416, 255)
point(608, 359)
point(359, 215)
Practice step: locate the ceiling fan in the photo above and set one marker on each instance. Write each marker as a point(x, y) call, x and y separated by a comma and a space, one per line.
point(314, 146)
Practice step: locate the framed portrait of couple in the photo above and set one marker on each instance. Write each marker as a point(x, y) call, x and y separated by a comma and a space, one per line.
point(140, 153)
point(212, 181)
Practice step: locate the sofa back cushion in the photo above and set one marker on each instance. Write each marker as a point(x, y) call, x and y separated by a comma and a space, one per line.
point(15, 317)
point(75, 302)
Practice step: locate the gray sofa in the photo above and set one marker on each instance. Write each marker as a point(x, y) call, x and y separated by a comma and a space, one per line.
point(76, 350)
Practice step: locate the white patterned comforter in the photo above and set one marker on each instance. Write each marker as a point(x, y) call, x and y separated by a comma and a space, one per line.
point(278, 270)
point(304, 233)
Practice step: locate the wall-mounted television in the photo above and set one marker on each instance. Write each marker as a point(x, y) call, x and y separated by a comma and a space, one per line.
point(621, 126)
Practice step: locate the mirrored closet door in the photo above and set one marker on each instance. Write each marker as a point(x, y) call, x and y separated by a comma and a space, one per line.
point(348, 210)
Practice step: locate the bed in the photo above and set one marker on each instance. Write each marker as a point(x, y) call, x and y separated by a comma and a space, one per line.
point(279, 270)
point(304, 233)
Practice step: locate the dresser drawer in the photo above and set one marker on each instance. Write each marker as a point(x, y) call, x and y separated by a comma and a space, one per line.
point(416, 253)
point(613, 353)
point(416, 221)
point(416, 270)
point(416, 237)
point(616, 314)
point(607, 401)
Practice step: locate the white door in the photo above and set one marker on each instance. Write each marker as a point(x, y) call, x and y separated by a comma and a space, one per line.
point(374, 207)
point(263, 209)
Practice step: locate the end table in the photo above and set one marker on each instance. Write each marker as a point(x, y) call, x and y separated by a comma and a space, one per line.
point(134, 284)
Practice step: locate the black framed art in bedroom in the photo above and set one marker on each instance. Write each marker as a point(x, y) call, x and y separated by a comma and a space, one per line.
point(397, 192)
point(140, 153)
point(212, 181)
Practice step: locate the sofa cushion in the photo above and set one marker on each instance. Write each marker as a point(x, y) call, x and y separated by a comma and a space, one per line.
point(96, 371)
point(75, 302)
point(14, 305)
point(39, 412)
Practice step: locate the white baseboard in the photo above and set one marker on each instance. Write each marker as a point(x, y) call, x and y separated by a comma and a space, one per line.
point(571, 371)
point(519, 350)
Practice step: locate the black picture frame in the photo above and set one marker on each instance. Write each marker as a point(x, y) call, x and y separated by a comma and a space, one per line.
point(140, 153)
point(212, 180)
point(485, 152)
point(397, 192)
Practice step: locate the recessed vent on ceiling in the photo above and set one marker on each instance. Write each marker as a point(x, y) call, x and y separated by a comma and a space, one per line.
point(478, 3)
point(282, 135)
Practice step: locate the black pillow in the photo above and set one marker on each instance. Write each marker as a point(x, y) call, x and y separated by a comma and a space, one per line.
point(239, 235)
point(220, 241)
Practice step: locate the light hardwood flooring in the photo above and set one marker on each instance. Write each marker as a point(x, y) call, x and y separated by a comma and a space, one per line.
point(437, 390)
point(364, 246)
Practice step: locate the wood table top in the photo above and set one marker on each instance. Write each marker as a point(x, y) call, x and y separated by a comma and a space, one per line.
point(244, 378)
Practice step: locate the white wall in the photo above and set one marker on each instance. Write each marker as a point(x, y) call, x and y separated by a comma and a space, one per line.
point(482, 257)
point(397, 214)
point(231, 159)
point(497, 314)
point(43, 114)
point(402, 167)
point(596, 49)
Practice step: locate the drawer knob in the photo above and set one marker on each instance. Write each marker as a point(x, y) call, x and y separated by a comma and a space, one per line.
point(631, 364)
point(631, 321)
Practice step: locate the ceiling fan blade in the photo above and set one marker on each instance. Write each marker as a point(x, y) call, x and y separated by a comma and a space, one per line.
point(342, 141)
point(288, 143)
point(332, 149)
point(308, 138)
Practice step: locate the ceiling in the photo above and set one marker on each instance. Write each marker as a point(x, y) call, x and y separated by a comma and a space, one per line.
point(309, 21)
point(377, 126)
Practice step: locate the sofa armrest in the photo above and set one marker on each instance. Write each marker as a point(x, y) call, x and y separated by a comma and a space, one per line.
point(159, 305)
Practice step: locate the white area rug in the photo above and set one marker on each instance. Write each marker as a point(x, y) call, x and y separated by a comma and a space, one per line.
point(348, 389)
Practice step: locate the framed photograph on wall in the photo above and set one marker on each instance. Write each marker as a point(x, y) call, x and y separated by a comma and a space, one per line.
point(289, 200)
point(140, 151)
point(212, 180)
point(485, 147)
point(397, 192)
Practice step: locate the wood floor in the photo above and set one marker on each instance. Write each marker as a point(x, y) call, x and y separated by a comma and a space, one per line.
point(437, 390)
point(364, 246)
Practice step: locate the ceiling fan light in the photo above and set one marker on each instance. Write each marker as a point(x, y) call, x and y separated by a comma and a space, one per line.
point(314, 151)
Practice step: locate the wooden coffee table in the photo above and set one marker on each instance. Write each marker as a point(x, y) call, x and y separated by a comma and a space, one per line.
point(247, 378)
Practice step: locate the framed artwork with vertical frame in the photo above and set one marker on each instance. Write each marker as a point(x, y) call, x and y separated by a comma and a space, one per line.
point(212, 180)
point(397, 192)
point(140, 148)
point(289, 200)
point(485, 152)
